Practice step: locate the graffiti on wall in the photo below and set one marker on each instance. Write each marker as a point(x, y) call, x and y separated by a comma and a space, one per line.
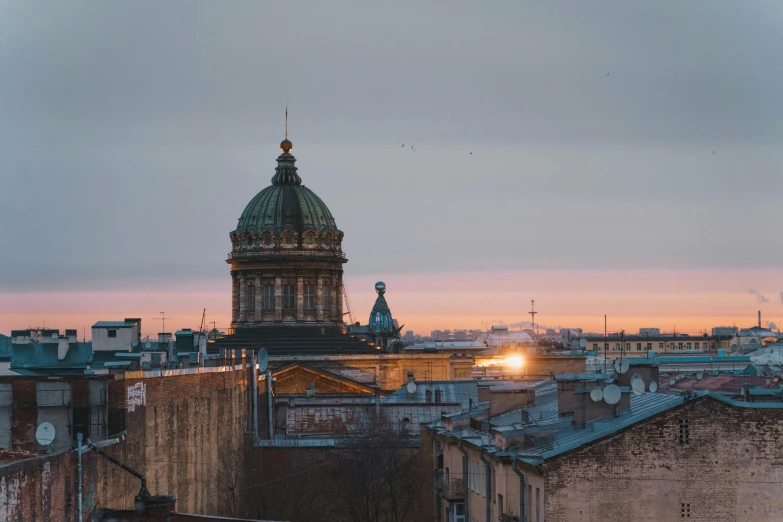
point(137, 396)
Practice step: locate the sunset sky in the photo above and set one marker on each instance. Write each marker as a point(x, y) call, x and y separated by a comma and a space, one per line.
point(625, 160)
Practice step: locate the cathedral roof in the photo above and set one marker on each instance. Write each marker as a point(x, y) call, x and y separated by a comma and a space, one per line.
point(286, 205)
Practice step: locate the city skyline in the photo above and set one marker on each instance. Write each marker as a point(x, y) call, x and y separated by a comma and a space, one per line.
point(545, 161)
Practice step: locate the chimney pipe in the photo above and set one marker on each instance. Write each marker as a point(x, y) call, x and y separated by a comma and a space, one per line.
point(759, 318)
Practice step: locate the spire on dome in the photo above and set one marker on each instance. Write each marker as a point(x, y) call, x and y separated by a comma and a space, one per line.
point(285, 173)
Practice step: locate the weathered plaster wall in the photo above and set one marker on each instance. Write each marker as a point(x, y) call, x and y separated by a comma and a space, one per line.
point(730, 470)
point(185, 432)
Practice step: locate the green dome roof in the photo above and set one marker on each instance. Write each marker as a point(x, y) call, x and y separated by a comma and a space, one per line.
point(286, 213)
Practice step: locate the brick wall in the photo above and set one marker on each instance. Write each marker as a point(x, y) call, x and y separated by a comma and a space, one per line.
point(731, 469)
point(185, 431)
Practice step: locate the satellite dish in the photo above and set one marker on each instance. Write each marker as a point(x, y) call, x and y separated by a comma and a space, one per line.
point(263, 359)
point(45, 434)
point(135, 343)
point(636, 376)
point(147, 345)
point(637, 386)
point(411, 387)
point(583, 343)
point(596, 394)
point(55, 336)
point(621, 365)
point(612, 394)
point(653, 387)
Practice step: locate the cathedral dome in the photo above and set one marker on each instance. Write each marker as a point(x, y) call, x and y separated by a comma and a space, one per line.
point(286, 215)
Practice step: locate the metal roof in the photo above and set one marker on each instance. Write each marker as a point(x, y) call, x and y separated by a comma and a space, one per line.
point(114, 324)
point(40, 356)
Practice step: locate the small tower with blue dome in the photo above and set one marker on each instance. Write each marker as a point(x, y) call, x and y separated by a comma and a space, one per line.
point(381, 325)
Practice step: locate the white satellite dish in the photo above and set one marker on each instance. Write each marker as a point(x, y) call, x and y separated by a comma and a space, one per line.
point(653, 387)
point(263, 359)
point(596, 394)
point(612, 394)
point(45, 434)
point(411, 387)
point(583, 343)
point(636, 376)
point(637, 386)
point(621, 365)
point(147, 345)
point(55, 336)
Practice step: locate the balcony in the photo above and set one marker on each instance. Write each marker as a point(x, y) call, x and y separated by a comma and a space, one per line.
point(452, 489)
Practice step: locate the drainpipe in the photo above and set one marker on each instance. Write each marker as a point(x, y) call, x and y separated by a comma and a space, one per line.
point(254, 376)
point(271, 422)
point(522, 492)
point(79, 473)
point(464, 477)
point(487, 484)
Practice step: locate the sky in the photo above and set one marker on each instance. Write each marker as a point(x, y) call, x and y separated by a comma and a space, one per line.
point(626, 156)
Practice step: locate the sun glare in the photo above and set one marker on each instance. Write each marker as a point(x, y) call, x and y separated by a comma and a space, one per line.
point(515, 360)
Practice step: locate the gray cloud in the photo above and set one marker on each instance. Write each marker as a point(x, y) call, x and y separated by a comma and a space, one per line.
point(760, 299)
point(772, 326)
point(133, 136)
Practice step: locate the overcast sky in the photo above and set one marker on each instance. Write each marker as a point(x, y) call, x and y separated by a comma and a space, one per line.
point(612, 135)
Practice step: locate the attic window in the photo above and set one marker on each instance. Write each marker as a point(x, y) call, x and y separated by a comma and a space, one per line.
point(685, 510)
point(112, 333)
point(685, 436)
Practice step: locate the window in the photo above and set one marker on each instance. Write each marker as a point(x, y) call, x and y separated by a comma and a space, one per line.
point(538, 504)
point(617, 346)
point(529, 502)
point(326, 299)
point(660, 346)
point(112, 333)
point(309, 296)
point(500, 503)
point(251, 298)
point(649, 346)
point(685, 510)
point(269, 296)
point(688, 346)
point(685, 432)
point(289, 296)
point(638, 347)
point(470, 475)
point(483, 476)
point(627, 347)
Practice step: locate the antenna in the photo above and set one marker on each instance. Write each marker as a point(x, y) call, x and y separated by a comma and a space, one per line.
point(411, 387)
point(45, 434)
point(621, 366)
point(583, 343)
point(286, 122)
point(55, 336)
point(163, 314)
point(637, 385)
point(533, 313)
point(653, 387)
point(596, 394)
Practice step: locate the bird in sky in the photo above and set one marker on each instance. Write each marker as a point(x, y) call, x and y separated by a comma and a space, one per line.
point(607, 74)
point(471, 153)
point(403, 145)
point(713, 152)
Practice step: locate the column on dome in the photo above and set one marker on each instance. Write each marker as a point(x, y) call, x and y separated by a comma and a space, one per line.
point(278, 296)
point(339, 300)
point(319, 295)
point(234, 297)
point(259, 299)
point(299, 296)
point(333, 297)
point(242, 305)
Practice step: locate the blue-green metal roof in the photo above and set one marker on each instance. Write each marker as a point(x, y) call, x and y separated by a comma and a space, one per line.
point(5, 348)
point(44, 356)
point(114, 324)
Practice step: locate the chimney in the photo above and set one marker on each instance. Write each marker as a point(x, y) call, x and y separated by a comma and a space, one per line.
point(503, 399)
point(62, 348)
point(759, 318)
point(410, 376)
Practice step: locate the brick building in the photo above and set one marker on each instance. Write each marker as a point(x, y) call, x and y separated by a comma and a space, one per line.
point(564, 457)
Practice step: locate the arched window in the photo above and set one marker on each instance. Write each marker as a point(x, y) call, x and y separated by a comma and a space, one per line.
point(269, 296)
point(309, 296)
point(250, 293)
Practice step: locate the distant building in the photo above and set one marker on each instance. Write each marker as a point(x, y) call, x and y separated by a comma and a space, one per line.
point(649, 331)
point(527, 452)
point(502, 337)
point(663, 343)
point(724, 331)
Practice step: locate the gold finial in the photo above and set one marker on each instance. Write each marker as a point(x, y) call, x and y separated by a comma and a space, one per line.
point(286, 145)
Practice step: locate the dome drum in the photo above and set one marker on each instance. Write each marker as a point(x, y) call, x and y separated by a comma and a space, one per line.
point(286, 259)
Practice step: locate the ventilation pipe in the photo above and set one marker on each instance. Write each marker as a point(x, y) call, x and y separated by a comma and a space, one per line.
point(254, 376)
point(464, 476)
point(522, 492)
point(487, 483)
point(270, 410)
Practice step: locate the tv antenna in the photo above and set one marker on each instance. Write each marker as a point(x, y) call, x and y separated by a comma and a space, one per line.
point(612, 394)
point(596, 394)
point(263, 359)
point(533, 313)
